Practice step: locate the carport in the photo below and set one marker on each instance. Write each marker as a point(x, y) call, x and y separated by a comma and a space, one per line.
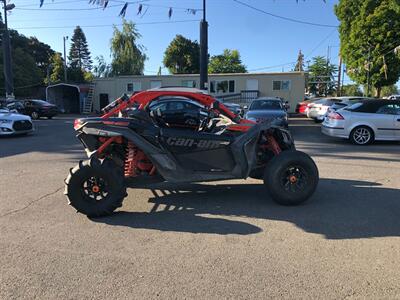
point(65, 96)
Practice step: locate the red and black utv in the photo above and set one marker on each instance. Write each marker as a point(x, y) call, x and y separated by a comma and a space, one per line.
point(181, 135)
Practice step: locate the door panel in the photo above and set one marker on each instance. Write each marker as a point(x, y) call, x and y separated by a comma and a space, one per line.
point(252, 84)
point(198, 151)
point(385, 126)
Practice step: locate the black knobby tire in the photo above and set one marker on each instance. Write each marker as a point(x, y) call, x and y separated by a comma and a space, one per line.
point(291, 177)
point(362, 135)
point(108, 180)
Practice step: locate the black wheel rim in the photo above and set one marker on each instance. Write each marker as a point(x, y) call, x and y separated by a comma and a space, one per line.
point(95, 188)
point(294, 179)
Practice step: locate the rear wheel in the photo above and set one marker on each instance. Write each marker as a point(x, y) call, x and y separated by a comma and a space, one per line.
point(291, 177)
point(362, 135)
point(35, 115)
point(95, 188)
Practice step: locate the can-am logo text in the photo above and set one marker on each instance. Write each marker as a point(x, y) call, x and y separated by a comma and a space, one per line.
point(182, 142)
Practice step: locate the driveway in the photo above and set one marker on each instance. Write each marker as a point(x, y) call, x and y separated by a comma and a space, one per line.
point(207, 240)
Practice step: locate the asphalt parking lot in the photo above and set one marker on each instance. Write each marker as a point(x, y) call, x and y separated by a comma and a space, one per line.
point(208, 241)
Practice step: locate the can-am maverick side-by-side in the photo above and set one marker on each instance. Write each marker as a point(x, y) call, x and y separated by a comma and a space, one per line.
point(181, 135)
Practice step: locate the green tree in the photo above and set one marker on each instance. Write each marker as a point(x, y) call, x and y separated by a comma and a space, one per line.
point(41, 53)
point(300, 62)
point(57, 69)
point(102, 68)
point(351, 90)
point(128, 56)
point(386, 91)
point(321, 80)
point(182, 56)
point(369, 31)
point(79, 54)
point(228, 62)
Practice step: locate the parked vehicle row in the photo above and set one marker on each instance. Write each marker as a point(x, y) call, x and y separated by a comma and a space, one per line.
point(317, 110)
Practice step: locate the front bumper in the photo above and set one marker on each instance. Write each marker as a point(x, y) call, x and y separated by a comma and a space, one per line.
point(12, 129)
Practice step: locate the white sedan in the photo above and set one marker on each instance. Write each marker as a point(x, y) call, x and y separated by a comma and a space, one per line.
point(12, 123)
point(365, 121)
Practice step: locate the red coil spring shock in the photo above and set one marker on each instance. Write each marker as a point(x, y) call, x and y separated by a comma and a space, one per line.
point(130, 160)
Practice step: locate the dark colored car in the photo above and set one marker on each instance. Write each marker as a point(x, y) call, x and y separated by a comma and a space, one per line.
point(39, 108)
point(268, 110)
point(178, 112)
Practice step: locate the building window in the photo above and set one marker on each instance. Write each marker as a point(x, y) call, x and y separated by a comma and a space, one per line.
point(189, 83)
point(222, 86)
point(134, 87)
point(281, 85)
point(155, 84)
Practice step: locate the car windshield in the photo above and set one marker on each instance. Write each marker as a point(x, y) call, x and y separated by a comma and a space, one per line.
point(266, 105)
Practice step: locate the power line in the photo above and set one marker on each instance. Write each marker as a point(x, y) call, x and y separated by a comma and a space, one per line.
point(106, 25)
point(293, 62)
point(67, 9)
point(284, 18)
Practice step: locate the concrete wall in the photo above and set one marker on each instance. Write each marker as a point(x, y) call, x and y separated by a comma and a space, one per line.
point(116, 86)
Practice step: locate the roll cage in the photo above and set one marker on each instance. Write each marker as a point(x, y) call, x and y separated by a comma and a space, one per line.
point(143, 99)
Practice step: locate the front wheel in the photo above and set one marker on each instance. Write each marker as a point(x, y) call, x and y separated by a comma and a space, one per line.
point(95, 188)
point(291, 177)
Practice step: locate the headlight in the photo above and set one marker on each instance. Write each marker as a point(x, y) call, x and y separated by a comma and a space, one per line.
point(5, 121)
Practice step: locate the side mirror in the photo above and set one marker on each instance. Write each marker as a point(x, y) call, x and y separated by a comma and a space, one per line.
point(287, 105)
point(245, 107)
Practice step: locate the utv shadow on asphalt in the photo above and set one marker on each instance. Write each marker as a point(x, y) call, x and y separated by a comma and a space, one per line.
point(340, 209)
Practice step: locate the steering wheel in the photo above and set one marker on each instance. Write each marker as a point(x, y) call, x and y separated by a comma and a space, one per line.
point(204, 126)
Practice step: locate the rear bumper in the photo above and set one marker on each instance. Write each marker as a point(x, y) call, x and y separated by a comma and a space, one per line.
point(334, 131)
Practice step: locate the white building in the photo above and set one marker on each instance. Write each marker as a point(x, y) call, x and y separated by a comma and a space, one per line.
point(238, 87)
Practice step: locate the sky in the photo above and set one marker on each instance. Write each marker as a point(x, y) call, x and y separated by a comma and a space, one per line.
point(266, 43)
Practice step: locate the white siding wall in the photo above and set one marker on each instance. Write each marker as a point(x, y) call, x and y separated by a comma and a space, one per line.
point(117, 86)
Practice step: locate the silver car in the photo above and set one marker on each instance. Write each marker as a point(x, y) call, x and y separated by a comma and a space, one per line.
point(365, 121)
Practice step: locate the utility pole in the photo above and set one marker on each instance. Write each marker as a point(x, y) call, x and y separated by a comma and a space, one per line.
point(338, 92)
point(328, 77)
point(8, 74)
point(369, 66)
point(204, 50)
point(65, 38)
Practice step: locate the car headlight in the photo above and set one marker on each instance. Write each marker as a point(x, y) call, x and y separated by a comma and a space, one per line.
point(5, 121)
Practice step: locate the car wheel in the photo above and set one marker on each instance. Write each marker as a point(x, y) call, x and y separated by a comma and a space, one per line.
point(34, 115)
point(362, 135)
point(291, 177)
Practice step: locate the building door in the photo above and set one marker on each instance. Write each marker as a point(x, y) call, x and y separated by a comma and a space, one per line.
point(103, 100)
point(252, 84)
